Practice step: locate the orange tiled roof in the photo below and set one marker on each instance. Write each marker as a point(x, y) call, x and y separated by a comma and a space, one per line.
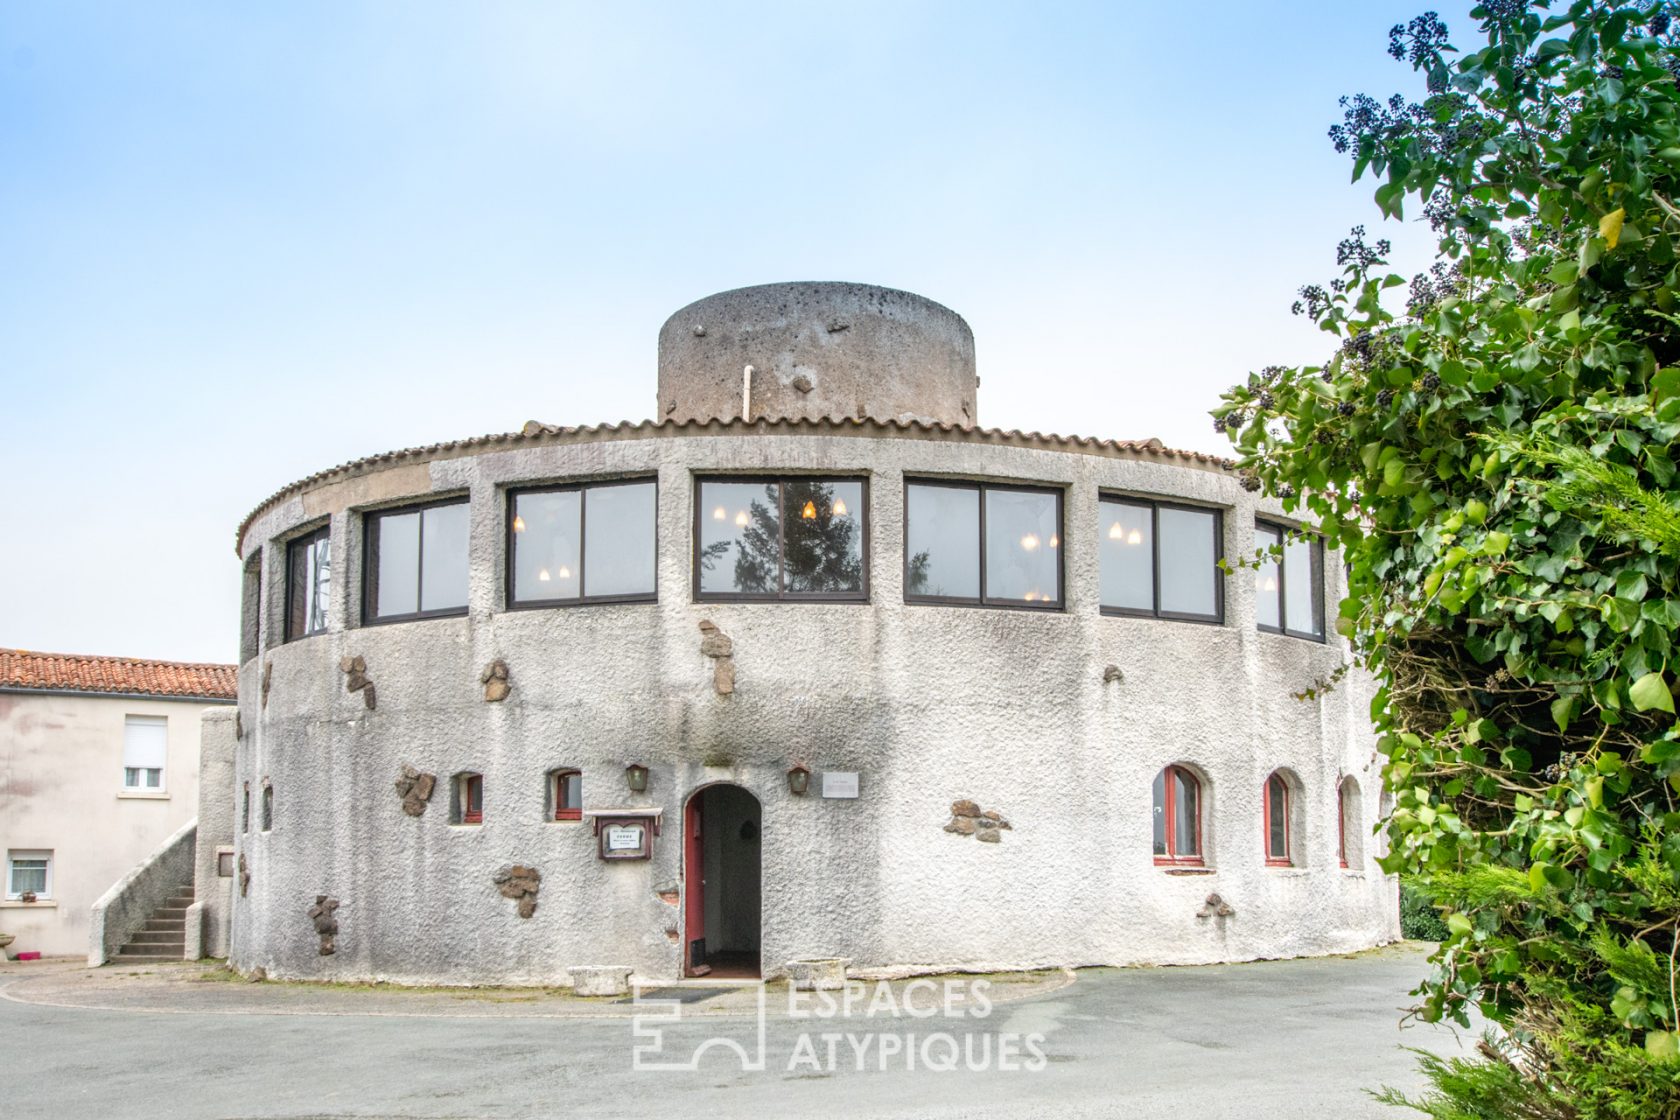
point(76, 672)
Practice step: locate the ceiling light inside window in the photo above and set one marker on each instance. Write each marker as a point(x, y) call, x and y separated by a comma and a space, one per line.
point(840, 507)
point(1116, 532)
point(1030, 541)
point(518, 524)
point(809, 513)
point(543, 575)
point(718, 514)
point(741, 519)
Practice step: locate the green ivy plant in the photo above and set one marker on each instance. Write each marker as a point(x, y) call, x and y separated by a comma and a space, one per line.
point(1492, 448)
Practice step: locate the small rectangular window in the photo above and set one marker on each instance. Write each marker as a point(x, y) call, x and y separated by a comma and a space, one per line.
point(245, 809)
point(28, 873)
point(1160, 560)
point(982, 544)
point(567, 795)
point(417, 563)
point(469, 799)
point(145, 752)
point(308, 583)
point(267, 807)
point(793, 538)
point(581, 544)
point(1289, 596)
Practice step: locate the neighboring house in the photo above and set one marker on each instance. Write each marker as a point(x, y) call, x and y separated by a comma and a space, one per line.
point(98, 766)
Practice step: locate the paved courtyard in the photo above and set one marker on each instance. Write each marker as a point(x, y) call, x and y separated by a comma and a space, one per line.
point(1291, 1039)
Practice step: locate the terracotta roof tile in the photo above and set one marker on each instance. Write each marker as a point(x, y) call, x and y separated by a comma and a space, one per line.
point(76, 672)
point(538, 434)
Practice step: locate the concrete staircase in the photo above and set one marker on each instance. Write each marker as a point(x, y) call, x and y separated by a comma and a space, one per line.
point(163, 937)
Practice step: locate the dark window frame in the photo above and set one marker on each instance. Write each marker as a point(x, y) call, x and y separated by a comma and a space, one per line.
point(1273, 859)
point(370, 562)
point(1169, 788)
point(1317, 562)
point(556, 778)
point(509, 602)
point(1155, 506)
point(984, 600)
point(781, 596)
point(293, 546)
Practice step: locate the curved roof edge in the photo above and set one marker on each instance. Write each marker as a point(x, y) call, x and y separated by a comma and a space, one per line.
point(535, 433)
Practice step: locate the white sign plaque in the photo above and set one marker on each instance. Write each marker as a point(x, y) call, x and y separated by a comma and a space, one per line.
point(624, 837)
point(838, 783)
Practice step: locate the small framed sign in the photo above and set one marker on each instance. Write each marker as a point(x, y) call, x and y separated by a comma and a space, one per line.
point(840, 783)
point(624, 834)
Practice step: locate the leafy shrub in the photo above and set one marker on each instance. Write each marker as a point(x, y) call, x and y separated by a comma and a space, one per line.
point(1497, 464)
point(1419, 919)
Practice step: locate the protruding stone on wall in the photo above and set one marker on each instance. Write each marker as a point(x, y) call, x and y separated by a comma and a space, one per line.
point(1113, 674)
point(520, 884)
point(668, 895)
point(717, 645)
point(968, 819)
point(244, 876)
point(326, 924)
point(357, 680)
point(1215, 907)
point(714, 642)
point(267, 680)
point(495, 681)
point(238, 724)
point(415, 789)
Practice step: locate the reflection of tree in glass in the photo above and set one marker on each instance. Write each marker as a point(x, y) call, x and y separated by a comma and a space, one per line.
point(918, 577)
point(824, 552)
point(757, 559)
point(323, 581)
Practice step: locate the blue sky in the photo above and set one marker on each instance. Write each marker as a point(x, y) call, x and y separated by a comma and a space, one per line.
point(241, 243)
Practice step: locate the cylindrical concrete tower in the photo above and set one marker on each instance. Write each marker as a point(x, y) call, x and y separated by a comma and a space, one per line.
point(817, 350)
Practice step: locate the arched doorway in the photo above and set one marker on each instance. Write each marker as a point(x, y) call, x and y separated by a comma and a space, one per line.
point(721, 873)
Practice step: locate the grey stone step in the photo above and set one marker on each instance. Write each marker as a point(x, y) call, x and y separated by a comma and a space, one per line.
point(158, 937)
point(171, 913)
point(165, 923)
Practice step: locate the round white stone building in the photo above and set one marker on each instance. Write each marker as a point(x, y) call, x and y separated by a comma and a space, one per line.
point(810, 666)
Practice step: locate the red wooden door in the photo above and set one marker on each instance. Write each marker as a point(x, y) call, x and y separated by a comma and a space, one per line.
point(694, 891)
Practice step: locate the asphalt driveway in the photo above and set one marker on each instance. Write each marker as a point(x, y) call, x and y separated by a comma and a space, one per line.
point(1294, 1039)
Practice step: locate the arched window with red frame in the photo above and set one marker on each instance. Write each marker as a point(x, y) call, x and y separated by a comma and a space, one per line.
point(1276, 803)
point(1178, 817)
point(1349, 850)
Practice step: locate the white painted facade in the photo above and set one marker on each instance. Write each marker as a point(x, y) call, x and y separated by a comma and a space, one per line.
point(63, 796)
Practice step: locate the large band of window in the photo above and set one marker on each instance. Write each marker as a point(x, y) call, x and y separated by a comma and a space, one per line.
point(308, 583)
point(416, 562)
point(970, 543)
point(790, 538)
point(590, 543)
point(1160, 560)
point(1289, 597)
